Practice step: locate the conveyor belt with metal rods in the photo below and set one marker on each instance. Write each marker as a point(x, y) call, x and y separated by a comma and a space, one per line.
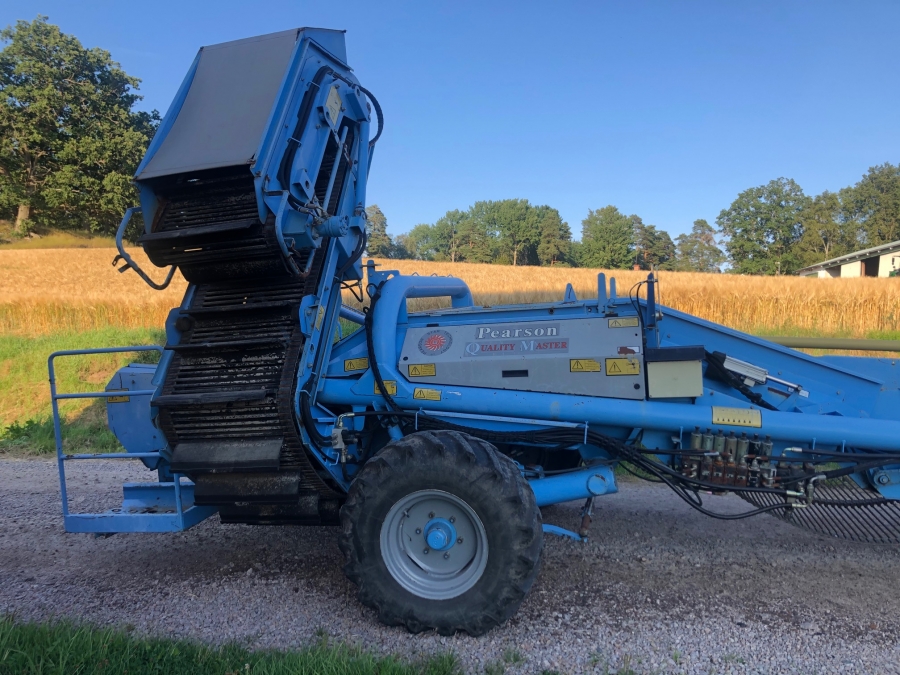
point(226, 405)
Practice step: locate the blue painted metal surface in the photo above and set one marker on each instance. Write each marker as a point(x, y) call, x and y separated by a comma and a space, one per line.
point(440, 534)
point(592, 482)
point(561, 532)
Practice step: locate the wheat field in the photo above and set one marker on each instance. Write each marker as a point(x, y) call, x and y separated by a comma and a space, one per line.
point(49, 291)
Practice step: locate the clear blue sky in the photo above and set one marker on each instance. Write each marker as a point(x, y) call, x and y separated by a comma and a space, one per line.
point(665, 109)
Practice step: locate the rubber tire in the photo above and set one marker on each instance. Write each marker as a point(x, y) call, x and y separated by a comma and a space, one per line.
point(491, 484)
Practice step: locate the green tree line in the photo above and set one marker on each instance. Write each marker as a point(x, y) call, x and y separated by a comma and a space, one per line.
point(771, 229)
point(71, 139)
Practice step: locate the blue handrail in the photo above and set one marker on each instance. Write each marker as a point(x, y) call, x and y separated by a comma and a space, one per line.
point(55, 397)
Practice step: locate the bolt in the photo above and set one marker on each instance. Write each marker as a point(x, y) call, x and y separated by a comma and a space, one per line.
point(883, 479)
point(459, 541)
point(431, 515)
point(418, 530)
point(452, 519)
point(446, 556)
point(425, 551)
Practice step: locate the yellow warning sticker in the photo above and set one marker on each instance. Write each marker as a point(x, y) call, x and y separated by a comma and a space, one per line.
point(320, 316)
point(422, 370)
point(584, 366)
point(623, 367)
point(624, 322)
point(355, 364)
point(427, 394)
point(390, 385)
point(736, 417)
point(118, 399)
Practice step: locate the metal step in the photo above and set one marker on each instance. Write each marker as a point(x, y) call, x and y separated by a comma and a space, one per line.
point(255, 307)
point(176, 400)
point(177, 235)
point(258, 488)
point(218, 455)
point(229, 345)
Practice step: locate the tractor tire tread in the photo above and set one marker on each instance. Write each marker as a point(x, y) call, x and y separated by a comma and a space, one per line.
point(512, 561)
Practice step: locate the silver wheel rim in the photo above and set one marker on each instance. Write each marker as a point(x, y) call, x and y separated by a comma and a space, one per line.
point(434, 544)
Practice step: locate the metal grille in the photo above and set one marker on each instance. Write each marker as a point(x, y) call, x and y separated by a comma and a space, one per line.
point(848, 512)
point(221, 205)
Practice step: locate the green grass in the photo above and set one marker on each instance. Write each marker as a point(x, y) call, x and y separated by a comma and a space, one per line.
point(884, 335)
point(25, 415)
point(46, 238)
point(67, 649)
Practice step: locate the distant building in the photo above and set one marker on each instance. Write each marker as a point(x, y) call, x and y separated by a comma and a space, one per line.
point(880, 261)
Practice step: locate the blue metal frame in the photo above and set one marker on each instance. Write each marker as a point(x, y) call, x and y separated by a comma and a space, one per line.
point(166, 506)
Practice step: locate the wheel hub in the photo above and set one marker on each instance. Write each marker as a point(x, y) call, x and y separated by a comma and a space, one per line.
point(440, 534)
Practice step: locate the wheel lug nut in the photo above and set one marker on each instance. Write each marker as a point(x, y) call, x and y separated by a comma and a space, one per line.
point(452, 519)
point(446, 556)
point(459, 541)
point(431, 515)
point(418, 530)
point(425, 551)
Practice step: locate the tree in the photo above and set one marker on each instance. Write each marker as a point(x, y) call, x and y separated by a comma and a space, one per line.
point(607, 239)
point(69, 139)
point(698, 250)
point(446, 235)
point(873, 205)
point(477, 235)
point(826, 233)
point(516, 223)
point(380, 244)
point(654, 249)
point(555, 237)
point(763, 226)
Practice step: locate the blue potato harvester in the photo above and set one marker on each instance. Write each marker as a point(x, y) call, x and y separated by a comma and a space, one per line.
point(432, 438)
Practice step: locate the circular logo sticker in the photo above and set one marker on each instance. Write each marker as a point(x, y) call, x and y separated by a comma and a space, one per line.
point(435, 342)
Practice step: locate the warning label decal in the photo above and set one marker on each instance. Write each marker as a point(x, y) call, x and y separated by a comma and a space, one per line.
point(624, 322)
point(427, 394)
point(118, 399)
point(584, 366)
point(356, 364)
point(737, 417)
point(623, 367)
point(390, 385)
point(422, 370)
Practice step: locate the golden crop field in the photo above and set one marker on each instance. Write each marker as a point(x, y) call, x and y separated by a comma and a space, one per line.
point(48, 291)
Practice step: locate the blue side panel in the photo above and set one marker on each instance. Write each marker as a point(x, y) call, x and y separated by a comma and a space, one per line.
point(128, 416)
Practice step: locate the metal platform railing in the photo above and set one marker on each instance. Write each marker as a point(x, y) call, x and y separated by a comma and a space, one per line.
point(165, 506)
point(848, 344)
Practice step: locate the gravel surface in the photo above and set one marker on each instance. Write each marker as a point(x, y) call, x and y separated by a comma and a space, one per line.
point(659, 589)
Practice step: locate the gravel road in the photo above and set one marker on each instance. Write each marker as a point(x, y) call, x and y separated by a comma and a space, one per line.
point(659, 589)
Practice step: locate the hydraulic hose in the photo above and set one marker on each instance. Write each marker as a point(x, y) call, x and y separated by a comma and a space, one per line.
point(370, 347)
